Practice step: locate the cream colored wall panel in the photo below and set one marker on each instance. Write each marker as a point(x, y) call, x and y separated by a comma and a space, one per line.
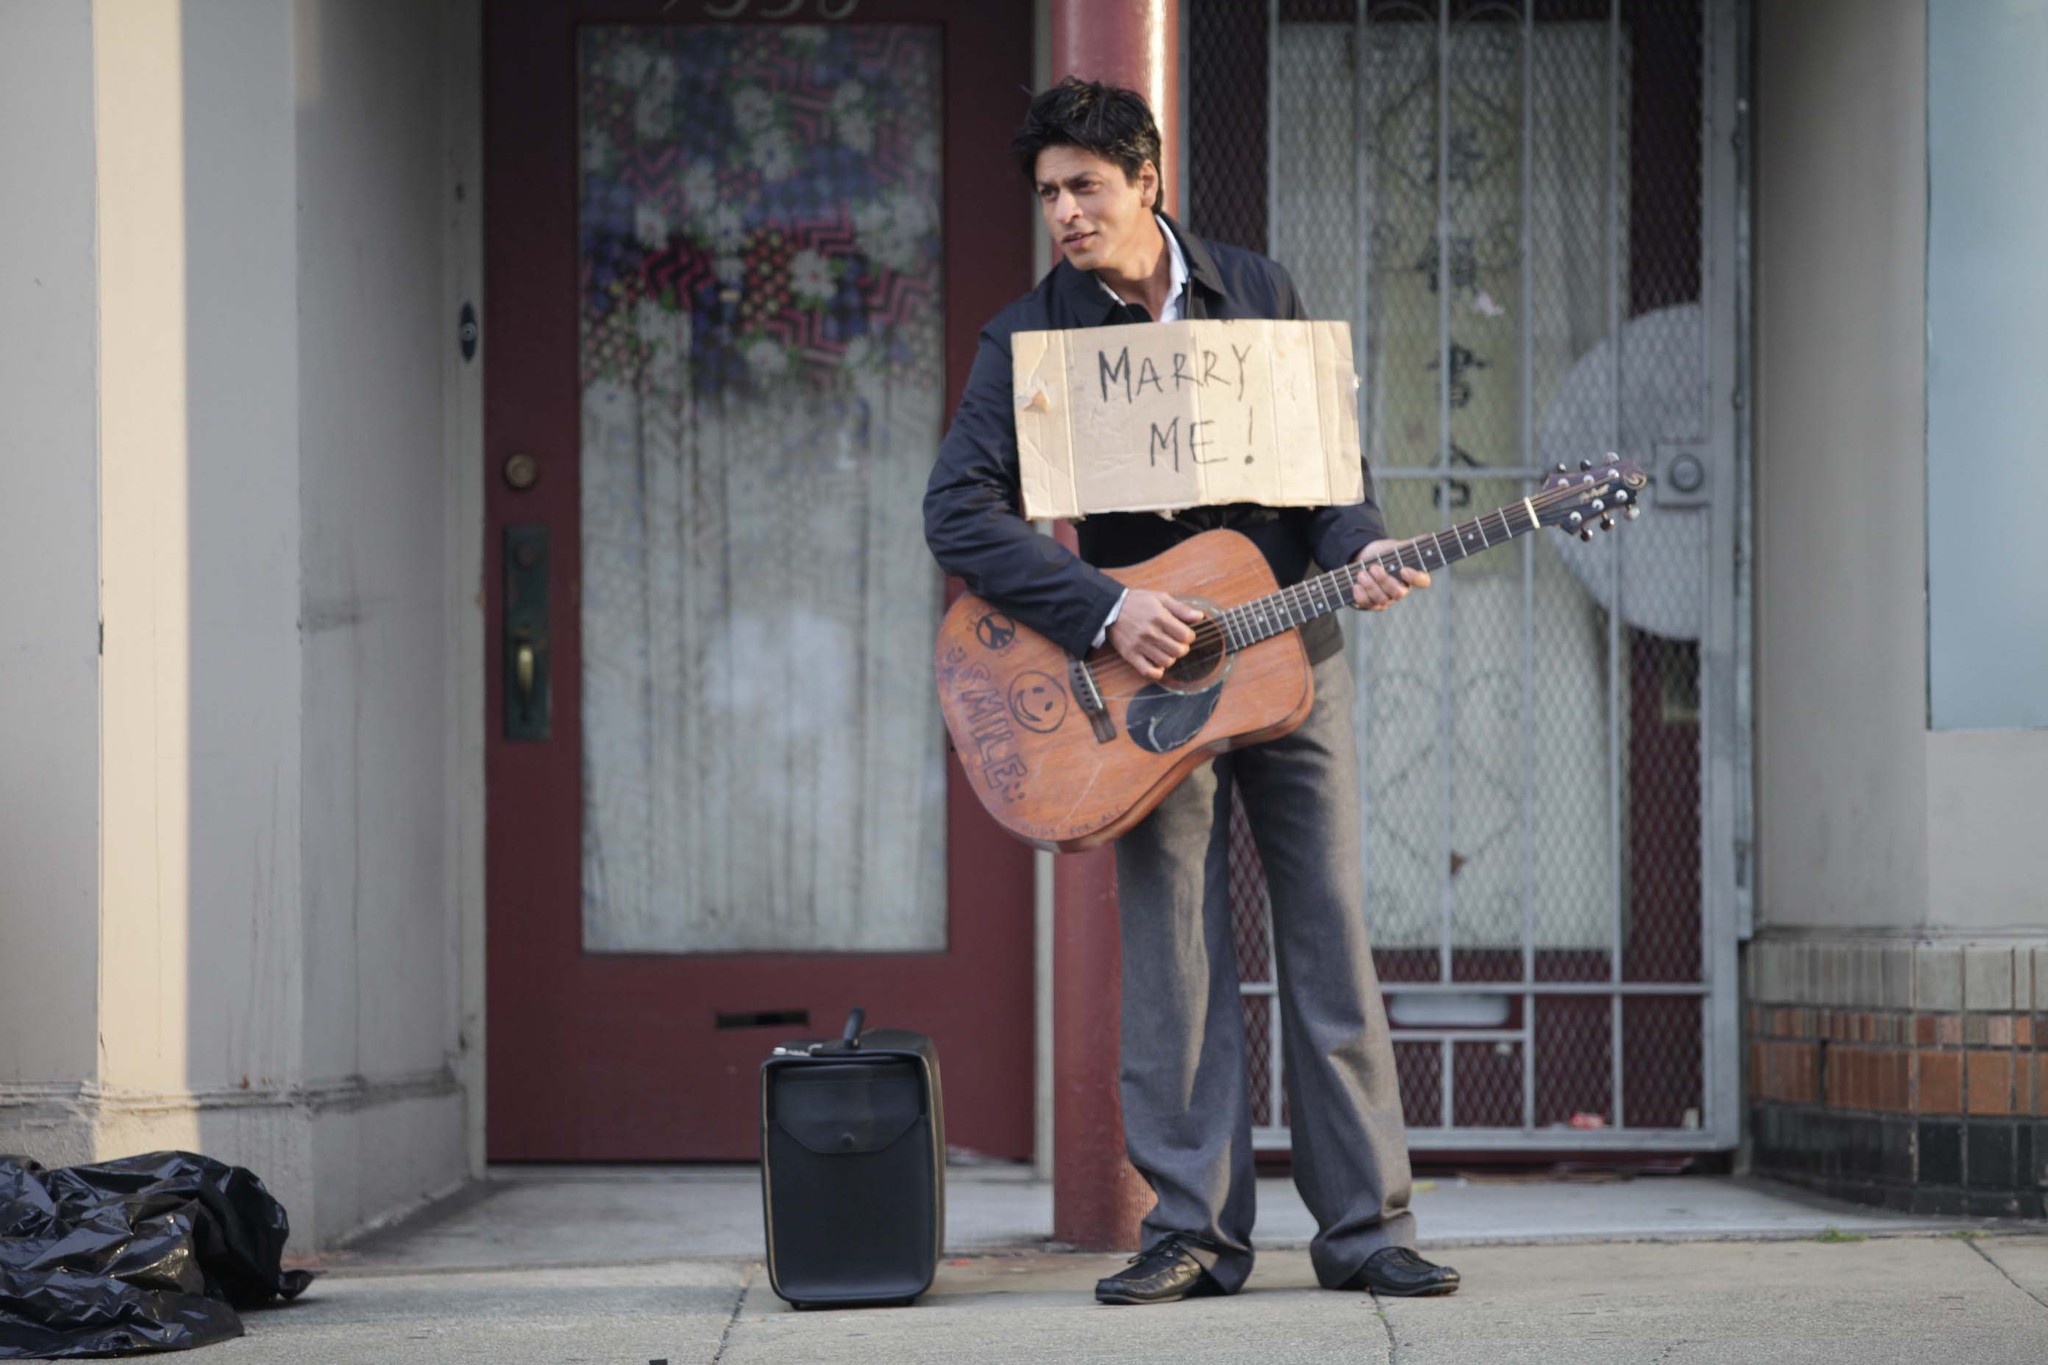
point(145, 550)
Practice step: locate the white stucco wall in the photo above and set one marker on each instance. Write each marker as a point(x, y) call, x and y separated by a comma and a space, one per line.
point(1987, 857)
point(241, 846)
point(1840, 231)
point(245, 1016)
point(1987, 345)
point(49, 547)
point(1868, 819)
point(385, 871)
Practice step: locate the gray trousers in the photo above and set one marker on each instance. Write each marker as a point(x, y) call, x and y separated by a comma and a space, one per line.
point(1187, 1112)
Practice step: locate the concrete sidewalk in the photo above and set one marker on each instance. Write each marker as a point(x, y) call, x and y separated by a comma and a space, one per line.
point(578, 1215)
point(1736, 1271)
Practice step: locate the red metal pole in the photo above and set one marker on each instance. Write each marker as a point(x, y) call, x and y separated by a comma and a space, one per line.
point(1132, 43)
point(1098, 1200)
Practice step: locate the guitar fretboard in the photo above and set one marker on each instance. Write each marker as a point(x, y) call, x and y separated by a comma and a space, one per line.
point(1265, 617)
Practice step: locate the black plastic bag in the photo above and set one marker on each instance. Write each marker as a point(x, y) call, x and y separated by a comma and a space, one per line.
point(148, 1253)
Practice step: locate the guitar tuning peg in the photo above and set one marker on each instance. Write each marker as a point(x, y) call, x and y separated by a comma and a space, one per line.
point(1585, 465)
point(1633, 512)
point(1586, 534)
point(1606, 523)
point(1561, 469)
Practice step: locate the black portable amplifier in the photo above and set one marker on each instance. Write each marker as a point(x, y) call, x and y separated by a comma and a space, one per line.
point(853, 1167)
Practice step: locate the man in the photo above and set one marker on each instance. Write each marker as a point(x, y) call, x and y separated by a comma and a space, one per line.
point(1092, 154)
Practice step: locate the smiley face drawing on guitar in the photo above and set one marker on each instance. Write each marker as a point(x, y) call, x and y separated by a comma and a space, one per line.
point(1069, 752)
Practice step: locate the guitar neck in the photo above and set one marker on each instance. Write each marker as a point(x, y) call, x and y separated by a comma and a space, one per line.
point(1290, 608)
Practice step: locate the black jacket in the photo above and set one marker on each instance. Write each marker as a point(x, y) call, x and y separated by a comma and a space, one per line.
point(971, 518)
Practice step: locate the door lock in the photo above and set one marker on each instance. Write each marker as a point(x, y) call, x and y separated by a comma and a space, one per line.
point(524, 668)
point(526, 632)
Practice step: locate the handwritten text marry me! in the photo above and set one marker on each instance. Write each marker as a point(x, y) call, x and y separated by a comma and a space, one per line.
point(1156, 417)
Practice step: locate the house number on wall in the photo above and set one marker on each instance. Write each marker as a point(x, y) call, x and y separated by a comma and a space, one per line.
point(781, 9)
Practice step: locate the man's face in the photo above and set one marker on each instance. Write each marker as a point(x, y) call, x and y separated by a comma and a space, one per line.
point(1097, 215)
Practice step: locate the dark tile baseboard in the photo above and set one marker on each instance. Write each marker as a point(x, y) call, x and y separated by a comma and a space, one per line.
point(1975, 1167)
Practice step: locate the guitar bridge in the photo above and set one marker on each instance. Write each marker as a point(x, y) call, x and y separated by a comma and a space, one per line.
point(1081, 680)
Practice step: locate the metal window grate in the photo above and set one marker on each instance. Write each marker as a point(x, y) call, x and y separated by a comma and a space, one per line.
point(1524, 211)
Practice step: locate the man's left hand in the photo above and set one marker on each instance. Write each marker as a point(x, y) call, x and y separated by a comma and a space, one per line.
point(1376, 589)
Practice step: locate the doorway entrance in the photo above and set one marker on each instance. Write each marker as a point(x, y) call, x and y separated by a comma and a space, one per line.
point(738, 256)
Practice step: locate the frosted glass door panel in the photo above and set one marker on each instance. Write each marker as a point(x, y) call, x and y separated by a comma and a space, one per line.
point(762, 384)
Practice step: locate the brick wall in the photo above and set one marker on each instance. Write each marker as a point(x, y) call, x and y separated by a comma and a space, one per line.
point(1912, 1075)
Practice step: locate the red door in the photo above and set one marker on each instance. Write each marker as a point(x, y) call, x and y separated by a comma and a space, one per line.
point(738, 255)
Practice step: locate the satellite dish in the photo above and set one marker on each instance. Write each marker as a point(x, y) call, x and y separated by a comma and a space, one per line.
point(1663, 427)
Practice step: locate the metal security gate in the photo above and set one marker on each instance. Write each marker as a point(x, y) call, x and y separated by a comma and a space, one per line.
point(1529, 212)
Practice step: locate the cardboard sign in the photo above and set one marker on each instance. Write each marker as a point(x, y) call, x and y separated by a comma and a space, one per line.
point(1160, 416)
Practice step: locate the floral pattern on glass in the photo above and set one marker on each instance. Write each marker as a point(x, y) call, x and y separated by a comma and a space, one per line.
point(791, 208)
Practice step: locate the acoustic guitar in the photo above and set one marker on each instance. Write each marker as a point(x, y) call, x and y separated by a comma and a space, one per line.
point(1067, 753)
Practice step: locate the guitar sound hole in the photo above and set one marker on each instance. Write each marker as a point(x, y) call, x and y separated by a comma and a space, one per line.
point(1203, 664)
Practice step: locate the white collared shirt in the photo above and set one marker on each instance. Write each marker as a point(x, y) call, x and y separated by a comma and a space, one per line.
point(1170, 311)
point(1176, 279)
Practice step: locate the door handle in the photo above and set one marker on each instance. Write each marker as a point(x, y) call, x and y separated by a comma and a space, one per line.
point(526, 633)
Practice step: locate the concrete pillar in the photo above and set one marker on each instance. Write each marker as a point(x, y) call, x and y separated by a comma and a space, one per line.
point(199, 1015)
point(1098, 1199)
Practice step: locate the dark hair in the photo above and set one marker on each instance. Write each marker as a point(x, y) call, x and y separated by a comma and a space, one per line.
point(1108, 120)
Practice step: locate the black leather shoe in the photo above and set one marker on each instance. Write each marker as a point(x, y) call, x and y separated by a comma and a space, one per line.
point(1166, 1273)
point(1400, 1273)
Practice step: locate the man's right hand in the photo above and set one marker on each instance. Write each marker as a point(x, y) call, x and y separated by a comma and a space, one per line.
point(1153, 630)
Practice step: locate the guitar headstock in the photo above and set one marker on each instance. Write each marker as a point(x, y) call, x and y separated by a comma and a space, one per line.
point(1575, 501)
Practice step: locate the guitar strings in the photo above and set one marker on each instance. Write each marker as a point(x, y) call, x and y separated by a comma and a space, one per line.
point(1210, 628)
point(1213, 631)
